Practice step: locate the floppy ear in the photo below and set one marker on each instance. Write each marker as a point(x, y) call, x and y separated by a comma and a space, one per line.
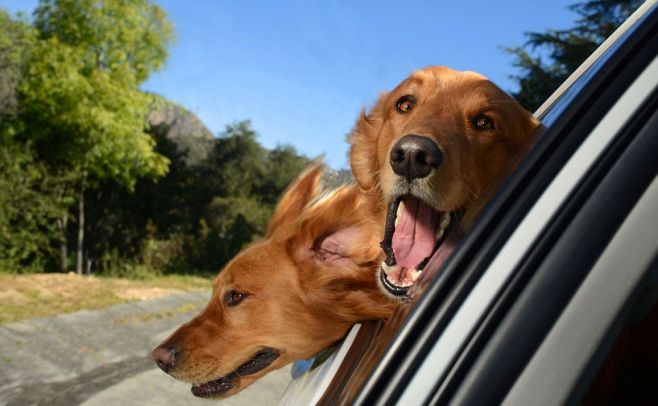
point(296, 197)
point(334, 246)
point(334, 231)
point(363, 150)
point(526, 129)
point(529, 126)
point(337, 248)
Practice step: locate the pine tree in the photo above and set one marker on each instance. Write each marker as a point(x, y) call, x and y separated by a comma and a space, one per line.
point(548, 58)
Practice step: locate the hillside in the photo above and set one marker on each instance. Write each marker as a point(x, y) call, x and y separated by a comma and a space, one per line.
point(185, 128)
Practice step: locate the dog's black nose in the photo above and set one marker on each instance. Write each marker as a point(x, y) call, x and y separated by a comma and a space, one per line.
point(165, 357)
point(414, 157)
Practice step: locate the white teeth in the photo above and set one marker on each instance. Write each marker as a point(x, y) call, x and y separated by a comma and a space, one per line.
point(443, 225)
point(445, 221)
point(388, 269)
point(399, 211)
point(413, 273)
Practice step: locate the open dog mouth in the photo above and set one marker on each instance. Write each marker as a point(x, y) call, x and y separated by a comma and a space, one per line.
point(217, 387)
point(414, 231)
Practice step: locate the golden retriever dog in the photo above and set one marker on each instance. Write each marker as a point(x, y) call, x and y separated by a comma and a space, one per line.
point(425, 154)
point(284, 298)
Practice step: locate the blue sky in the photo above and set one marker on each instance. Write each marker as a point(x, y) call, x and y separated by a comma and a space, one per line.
point(302, 70)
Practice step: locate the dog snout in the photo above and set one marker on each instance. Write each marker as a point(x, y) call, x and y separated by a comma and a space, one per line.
point(165, 357)
point(415, 156)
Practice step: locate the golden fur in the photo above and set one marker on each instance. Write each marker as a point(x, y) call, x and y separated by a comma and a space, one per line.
point(306, 283)
point(313, 275)
point(447, 103)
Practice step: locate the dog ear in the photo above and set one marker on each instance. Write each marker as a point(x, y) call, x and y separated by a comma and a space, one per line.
point(337, 248)
point(528, 127)
point(296, 197)
point(363, 150)
point(334, 231)
point(524, 128)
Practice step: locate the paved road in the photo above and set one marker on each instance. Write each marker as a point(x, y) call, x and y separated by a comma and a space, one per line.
point(102, 357)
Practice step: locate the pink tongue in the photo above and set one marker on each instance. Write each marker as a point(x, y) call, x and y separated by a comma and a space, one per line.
point(415, 233)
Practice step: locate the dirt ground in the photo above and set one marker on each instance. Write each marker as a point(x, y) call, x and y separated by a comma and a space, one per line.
point(32, 295)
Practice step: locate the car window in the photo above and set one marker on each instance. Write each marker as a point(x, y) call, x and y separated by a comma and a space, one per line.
point(548, 115)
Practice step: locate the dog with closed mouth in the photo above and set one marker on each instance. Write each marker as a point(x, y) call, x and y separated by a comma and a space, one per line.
point(284, 298)
point(426, 153)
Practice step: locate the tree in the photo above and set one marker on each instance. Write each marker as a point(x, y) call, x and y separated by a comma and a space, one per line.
point(27, 194)
point(29, 207)
point(169, 204)
point(16, 40)
point(241, 183)
point(283, 164)
point(236, 164)
point(210, 209)
point(73, 130)
point(557, 53)
point(83, 110)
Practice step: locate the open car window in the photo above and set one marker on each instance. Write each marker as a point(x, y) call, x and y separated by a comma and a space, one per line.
point(387, 352)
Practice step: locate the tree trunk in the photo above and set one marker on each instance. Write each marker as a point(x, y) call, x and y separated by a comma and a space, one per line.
point(79, 265)
point(63, 246)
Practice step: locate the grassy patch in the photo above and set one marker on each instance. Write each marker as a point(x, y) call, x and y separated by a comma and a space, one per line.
point(32, 295)
point(165, 314)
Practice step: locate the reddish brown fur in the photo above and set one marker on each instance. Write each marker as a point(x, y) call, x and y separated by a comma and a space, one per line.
point(447, 103)
point(298, 301)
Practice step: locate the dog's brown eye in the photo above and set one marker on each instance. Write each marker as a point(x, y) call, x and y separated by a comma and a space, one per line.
point(233, 297)
point(406, 104)
point(483, 123)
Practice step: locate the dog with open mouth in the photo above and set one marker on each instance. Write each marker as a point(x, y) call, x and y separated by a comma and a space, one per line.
point(426, 153)
point(287, 297)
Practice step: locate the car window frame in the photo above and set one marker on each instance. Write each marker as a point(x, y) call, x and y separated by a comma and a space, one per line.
point(580, 339)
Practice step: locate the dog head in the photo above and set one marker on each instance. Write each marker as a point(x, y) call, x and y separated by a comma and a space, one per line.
point(429, 149)
point(285, 298)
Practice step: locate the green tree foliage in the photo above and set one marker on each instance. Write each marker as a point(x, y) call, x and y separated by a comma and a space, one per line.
point(283, 165)
point(236, 164)
point(553, 55)
point(155, 209)
point(125, 39)
point(81, 95)
point(30, 206)
point(82, 109)
point(204, 212)
point(73, 129)
point(243, 181)
point(86, 122)
point(16, 40)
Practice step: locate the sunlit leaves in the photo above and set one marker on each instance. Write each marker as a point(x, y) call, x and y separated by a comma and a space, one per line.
point(128, 39)
point(80, 92)
point(16, 38)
